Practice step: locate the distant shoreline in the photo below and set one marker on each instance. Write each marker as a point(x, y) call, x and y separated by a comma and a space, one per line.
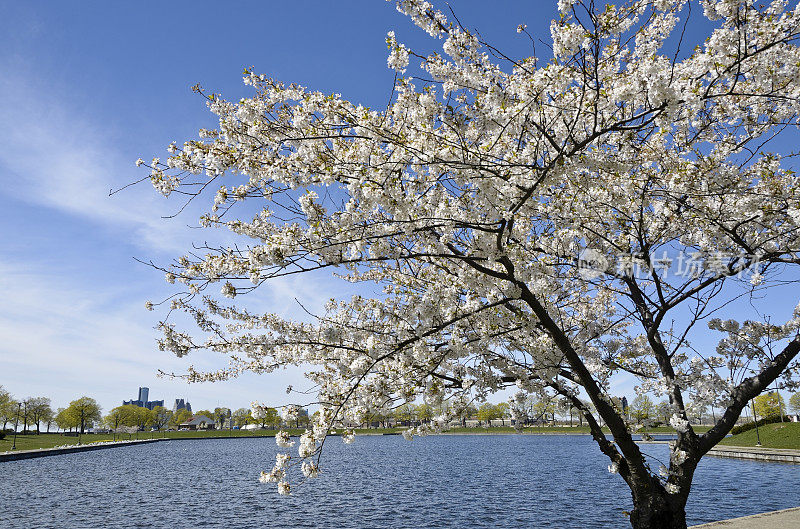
point(18, 455)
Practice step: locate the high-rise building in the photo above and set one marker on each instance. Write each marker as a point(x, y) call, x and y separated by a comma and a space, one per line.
point(150, 404)
point(142, 402)
point(180, 404)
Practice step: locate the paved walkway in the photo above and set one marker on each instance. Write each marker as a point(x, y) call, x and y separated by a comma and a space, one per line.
point(779, 455)
point(785, 519)
point(782, 455)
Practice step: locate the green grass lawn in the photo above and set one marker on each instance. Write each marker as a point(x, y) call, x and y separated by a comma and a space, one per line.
point(212, 433)
point(47, 440)
point(776, 435)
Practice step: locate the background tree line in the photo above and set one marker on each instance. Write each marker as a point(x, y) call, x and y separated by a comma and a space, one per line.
point(81, 413)
point(84, 412)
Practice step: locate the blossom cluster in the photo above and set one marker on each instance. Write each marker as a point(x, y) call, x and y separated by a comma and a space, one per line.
point(467, 200)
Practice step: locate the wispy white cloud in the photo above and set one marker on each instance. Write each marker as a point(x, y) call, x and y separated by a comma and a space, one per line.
point(64, 340)
point(53, 156)
point(63, 335)
point(74, 331)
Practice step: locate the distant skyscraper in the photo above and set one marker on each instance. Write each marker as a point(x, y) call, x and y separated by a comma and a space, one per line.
point(180, 404)
point(142, 402)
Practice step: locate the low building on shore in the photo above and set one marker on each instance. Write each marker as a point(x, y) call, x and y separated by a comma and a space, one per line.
point(198, 422)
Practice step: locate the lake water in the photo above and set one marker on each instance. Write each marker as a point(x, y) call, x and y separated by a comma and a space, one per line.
point(453, 481)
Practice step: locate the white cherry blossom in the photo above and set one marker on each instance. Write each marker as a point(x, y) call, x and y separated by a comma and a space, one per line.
point(469, 200)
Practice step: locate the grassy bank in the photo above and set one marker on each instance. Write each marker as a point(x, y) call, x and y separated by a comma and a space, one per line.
point(47, 440)
point(776, 435)
point(31, 441)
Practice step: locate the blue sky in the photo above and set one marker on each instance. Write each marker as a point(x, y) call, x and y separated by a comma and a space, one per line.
point(85, 90)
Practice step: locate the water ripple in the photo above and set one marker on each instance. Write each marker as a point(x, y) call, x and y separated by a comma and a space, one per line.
point(458, 481)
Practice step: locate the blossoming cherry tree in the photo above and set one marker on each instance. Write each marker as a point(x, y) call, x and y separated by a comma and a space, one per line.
point(475, 201)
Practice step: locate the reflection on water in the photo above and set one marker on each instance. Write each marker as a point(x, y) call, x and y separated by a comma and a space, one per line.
point(441, 481)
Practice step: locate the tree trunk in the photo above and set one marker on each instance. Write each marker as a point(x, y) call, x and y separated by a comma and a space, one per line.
point(659, 511)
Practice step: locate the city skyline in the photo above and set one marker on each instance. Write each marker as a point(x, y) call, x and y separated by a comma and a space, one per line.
point(143, 400)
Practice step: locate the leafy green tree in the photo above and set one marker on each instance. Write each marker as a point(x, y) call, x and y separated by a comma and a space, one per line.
point(487, 412)
point(64, 421)
point(404, 414)
point(302, 419)
point(504, 411)
point(265, 416)
point(179, 417)
point(642, 409)
point(794, 402)
point(39, 410)
point(8, 407)
point(144, 418)
point(161, 417)
point(664, 411)
point(129, 415)
point(460, 411)
point(83, 412)
point(696, 411)
point(424, 413)
point(270, 418)
point(220, 416)
point(544, 407)
point(242, 416)
point(564, 409)
point(769, 404)
point(377, 419)
point(50, 420)
point(207, 413)
point(24, 413)
point(119, 417)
